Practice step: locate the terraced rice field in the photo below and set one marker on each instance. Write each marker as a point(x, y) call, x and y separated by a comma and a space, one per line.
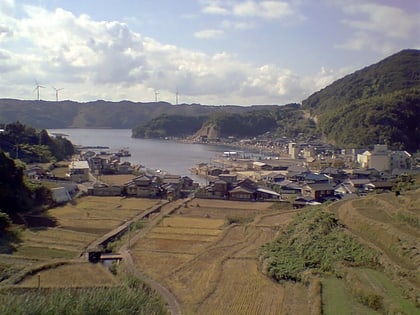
point(77, 225)
point(212, 267)
point(390, 225)
point(71, 275)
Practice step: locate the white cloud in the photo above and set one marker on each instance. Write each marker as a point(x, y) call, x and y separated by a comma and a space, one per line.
point(379, 27)
point(226, 24)
point(387, 20)
point(214, 7)
point(265, 9)
point(209, 33)
point(7, 7)
point(107, 60)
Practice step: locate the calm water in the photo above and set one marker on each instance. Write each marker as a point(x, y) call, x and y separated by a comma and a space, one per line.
point(176, 158)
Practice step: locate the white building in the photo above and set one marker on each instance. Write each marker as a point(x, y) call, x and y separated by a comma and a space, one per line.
point(400, 160)
point(79, 171)
point(382, 159)
point(293, 150)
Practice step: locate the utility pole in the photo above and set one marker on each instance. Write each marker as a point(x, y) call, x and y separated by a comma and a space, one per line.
point(129, 228)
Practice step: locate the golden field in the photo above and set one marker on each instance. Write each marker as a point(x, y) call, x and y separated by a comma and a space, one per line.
point(211, 267)
point(76, 225)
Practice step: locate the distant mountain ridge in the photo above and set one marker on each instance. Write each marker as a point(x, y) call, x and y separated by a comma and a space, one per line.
point(101, 114)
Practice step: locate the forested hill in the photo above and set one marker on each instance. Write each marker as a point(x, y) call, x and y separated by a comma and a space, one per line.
point(100, 114)
point(378, 104)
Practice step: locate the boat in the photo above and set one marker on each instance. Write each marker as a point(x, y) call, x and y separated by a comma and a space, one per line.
point(123, 153)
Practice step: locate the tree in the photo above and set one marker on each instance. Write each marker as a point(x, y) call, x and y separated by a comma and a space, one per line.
point(14, 194)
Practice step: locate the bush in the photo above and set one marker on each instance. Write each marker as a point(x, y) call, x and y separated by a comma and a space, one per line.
point(131, 298)
point(314, 240)
point(232, 219)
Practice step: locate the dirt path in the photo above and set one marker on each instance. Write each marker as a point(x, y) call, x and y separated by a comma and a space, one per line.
point(128, 263)
point(170, 300)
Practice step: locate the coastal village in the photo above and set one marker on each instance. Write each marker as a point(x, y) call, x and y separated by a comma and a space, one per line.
point(302, 173)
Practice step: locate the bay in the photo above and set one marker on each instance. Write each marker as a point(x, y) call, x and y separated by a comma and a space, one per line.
point(174, 157)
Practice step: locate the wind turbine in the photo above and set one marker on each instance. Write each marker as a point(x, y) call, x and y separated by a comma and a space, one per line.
point(56, 93)
point(176, 97)
point(38, 86)
point(156, 96)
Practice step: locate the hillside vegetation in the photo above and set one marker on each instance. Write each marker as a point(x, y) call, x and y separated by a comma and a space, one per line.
point(33, 146)
point(168, 126)
point(365, 250)
point(287, 120)
point(378, 104)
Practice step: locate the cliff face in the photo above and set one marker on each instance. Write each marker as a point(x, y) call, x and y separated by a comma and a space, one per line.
point(211, 131)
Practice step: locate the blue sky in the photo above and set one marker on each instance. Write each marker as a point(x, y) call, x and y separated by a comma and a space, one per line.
point(214, 52)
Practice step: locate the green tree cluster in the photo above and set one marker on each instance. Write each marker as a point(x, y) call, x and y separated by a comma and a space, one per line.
point(249, 124)
point(30, 145)
point(391, 118)
point(168, 126)
point(15, 196)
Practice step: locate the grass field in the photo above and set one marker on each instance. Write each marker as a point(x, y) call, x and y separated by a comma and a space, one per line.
point(337, 299)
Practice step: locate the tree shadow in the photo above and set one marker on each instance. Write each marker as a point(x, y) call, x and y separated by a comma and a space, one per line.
point(9, 240)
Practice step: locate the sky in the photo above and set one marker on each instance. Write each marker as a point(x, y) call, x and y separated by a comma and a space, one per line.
point(213, 52)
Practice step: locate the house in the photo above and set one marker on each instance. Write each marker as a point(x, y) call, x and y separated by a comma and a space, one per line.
point(358, 183)
point(318, 192)
point(214, 171)
point(228, 178)
point(315, 178)
point(60, 195)
point(79, 171)
point(34, 172)
point(242, 193)
point(169, 191)
point(288, 187)
point(301, 202)
point(345, 189)
point(261, 166)
point(274, 177)
point(244, 190)
point(220, 188)
point(187, 183)
point(187, 186)
point(385, 185)
point(296, 173)
point(265, 193)
point(142, 186)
